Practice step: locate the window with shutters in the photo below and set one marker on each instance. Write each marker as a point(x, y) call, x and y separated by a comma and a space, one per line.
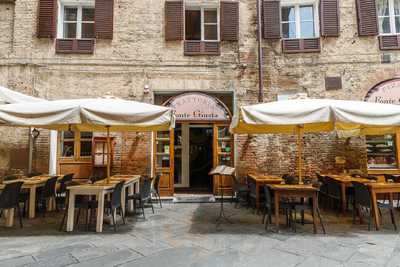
point(201, 24)
point(76, 21)
point(388, 16)
point(299, 21)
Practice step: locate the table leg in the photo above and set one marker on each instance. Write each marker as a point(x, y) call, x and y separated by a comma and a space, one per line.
point(375, 210)
point(100, 212)
point(344, 200)
point(277, 198)
point(315, 203)
point(71, 212)
point(9, 215)
point(131, 191)
point(32, 202)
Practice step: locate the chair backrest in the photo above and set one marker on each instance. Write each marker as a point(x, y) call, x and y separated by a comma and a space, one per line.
point(97, 174)
point(362, 195)
point(10, 177)
point(267, 196)
point(145, 188)
point(10, 196)
point(389, 177)
point(252, 188)
point(156, 183)
point(117, 195)
point(49, 189)
point(290, 179)
point(334, 187)
point(67, 178)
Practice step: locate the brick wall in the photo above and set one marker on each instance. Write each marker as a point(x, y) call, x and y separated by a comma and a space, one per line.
point(139, 56)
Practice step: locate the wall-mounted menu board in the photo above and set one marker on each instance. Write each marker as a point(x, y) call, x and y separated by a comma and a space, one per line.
point(381, 151)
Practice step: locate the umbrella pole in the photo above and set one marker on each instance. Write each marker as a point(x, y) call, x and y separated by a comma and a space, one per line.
point(300, 151)
point(108, 155)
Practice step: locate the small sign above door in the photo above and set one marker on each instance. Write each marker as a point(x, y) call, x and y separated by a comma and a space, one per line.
point(198, 107)
point(387, 92)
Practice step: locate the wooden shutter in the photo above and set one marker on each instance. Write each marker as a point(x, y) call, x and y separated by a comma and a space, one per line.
point(174, 20)
point(389, 42)
point(104, 19)
point(75, 46)
point(301, 45)
point(47, 19)
point(199, 48)
point(329, 18)
point(271, 18)
point(229, 13)
point(367, 18)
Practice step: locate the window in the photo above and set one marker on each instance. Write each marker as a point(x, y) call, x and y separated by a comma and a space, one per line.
point(381, 151)
point(299, 21)
point(201, 24)
point(73, 144)
point(388, 16)
point(77, 21)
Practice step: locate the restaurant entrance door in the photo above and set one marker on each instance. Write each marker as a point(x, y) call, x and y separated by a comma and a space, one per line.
point(199, 142)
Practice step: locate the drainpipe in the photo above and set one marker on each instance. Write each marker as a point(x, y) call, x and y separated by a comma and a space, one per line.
point(30, 149)
point(260, 55)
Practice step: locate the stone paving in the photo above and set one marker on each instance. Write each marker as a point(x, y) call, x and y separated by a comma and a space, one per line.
point(186, 235)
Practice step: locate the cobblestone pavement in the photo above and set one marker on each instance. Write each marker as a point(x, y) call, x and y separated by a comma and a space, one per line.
point(186, 235)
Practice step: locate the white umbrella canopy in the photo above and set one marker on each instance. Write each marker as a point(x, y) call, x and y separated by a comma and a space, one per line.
point(88, 115)
point(317, 115)
point(8, 96)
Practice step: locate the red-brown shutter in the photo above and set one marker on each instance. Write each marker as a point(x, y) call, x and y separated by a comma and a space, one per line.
point(271, 17)
point(75, 46)
point(389, 42)
point(199, 48)
point(229, 13)
point(47, 19)
point(174, 20)
point(104, 19)
point(301, 45)
point(329, 18)
point(367, 18)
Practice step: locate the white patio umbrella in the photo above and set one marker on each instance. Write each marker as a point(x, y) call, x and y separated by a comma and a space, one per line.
point(316, 115)
point(89, 115)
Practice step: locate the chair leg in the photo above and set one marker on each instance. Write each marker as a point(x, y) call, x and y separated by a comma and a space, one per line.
point(87, 220)
point(320, 221)
point(369, 220)
point(19, 215)
point(159, 199)
point(152, 207)
point(77, 217)
point(295, 221)
point(393, 219)
point(113, 211)
point(63, 220)
point(122, 215)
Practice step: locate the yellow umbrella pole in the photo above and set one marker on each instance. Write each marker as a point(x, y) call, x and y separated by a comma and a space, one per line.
point(108, 154)
point(300, 151)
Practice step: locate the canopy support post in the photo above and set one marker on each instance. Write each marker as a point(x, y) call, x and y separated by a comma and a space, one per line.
point(108, 155)
point(300, 132)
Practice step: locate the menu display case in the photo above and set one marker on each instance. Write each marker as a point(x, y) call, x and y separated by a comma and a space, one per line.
point(163, 150)
point(223, 155)
point(381, 152)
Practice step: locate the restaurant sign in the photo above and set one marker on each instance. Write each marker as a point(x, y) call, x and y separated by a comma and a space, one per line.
point(198, 107)
point(387, 92)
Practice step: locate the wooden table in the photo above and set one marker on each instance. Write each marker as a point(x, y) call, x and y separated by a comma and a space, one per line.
point(345, 182)
point(381, 188)
point(31, 184)
point(284, 191)
point(98, 189)
point(261, 180)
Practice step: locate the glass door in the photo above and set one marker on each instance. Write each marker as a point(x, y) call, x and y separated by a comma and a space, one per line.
point(223, 155)
point(164, 160)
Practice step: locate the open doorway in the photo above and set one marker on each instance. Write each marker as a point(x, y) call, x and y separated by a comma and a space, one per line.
point(200, 158)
